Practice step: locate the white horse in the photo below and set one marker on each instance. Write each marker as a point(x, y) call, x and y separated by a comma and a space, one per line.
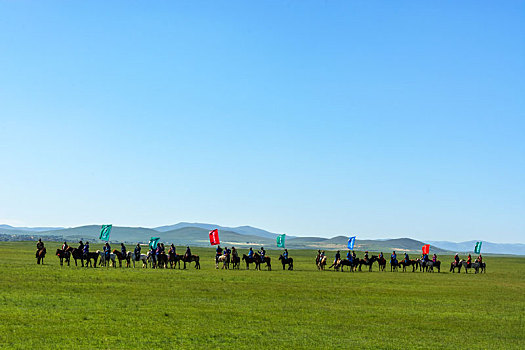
point(222, 259)
point(112, 258)
point(142, 257)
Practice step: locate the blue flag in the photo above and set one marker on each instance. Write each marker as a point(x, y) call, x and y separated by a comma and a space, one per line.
point(351, 242)
point(153, 242)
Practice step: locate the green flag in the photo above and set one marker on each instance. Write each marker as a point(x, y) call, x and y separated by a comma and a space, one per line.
point(280, 241)
point(153, 242)
point(104, 232)
point(477, 248)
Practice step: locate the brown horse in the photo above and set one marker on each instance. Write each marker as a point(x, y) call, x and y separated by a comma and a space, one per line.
point(412, 263)
point(40, 255)
point(266, 260)
point(321, 263)
point(121, 257)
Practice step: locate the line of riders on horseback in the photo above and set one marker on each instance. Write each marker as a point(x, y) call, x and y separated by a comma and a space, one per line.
point(424, 263)
point(155, 257)
point(158, 258)
point(230, 256)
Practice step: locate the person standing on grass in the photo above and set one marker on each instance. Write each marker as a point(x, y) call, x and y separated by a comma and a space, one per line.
point(107, 252)
point(85, 251)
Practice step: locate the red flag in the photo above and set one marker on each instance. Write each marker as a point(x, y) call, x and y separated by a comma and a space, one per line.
point(426, 248)
point(214, 237)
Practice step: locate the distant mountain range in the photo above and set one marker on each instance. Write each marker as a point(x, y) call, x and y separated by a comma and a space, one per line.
point(196, 234)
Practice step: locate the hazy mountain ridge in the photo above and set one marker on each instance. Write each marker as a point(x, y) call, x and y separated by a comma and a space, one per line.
point(244, 236)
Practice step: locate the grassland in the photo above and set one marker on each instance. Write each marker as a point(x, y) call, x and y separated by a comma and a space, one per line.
point(70, 307)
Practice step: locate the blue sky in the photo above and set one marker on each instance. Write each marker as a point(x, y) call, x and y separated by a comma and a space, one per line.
point(381, 119)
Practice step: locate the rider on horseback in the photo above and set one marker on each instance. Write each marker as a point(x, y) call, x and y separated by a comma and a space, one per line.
point(434, 258)
point(137, 252)
point(187, 255)
point(123, 250)
point(380, 255)
point(234, 253)
point(425, 257)
point(285, 254)
point(406, 258)
point(456, 259)
point(349, 255)
point(469, 260)
point(85, 250)
point(39, 246)
point(107, 252)
point(262, 252)
point(393, 258)
point(64, 247)
point(218, 253)
point(250, 253)
point(366, 256)
point(337, 257)
point(480, 259)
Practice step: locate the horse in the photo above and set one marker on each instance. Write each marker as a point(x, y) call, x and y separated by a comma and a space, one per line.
point(474, 265)
point(121, 257)
point(345, 262)
point(162, 260)
point(248, 261)
point(482, 266)
point(321, 263)
point(431, 264)
point(236, 262)
point(394, 265)
point(103, 262)
point(286, 261)
point(189, 259)
point(76, 254)
point(224, 259)
point(63, 255)
point(40, 255)
point(454, 266)
point(266, 260)
point(173, 259)
point(139, 257)
point(412, 263)
point(369, 262)
point(382, 263)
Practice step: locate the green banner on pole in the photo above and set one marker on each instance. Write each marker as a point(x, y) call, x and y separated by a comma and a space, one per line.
point(477, 248)
point(153, 242)
point(280, 241)
point(104, 232)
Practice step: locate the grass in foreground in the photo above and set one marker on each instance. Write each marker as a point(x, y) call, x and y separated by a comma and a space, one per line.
point(49, 306)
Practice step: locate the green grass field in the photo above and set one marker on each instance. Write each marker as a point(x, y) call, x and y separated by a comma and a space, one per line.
point(70, 307)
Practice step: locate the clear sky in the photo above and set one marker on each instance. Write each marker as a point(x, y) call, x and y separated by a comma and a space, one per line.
point(376, 118)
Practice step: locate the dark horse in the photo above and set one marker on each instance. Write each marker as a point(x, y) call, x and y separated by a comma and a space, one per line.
point(394, 265)
point(63, 255)
point(248, 261)
point(428, 266)
point(345, 262)
point(189, 259)
point(162, 260)
point(454, 266)
point(382, 263)
point(368, 262)
point(288, 261)
point(266, 260)
point(236, 261)
point(78, 254)
point(40, 255)
point(174, 259)
point(412, 263)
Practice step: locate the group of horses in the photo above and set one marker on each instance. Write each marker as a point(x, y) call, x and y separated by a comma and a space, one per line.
point(417, 264)
point(171, 260)
point(162, 260)
point(476, 265)
point(259, 262)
